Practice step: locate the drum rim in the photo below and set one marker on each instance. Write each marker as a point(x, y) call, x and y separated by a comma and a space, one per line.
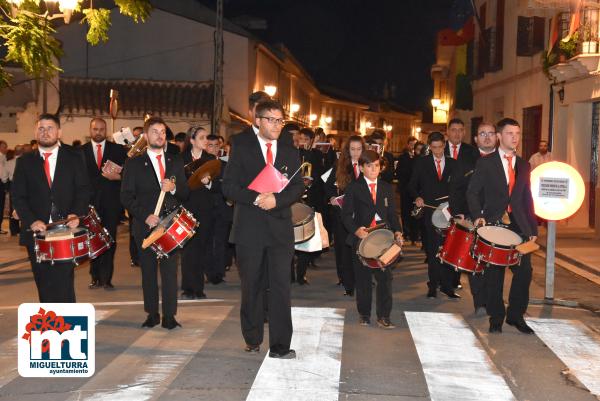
point(306, 219)
point(372, 233)
point(496, 245)
point(80, 231)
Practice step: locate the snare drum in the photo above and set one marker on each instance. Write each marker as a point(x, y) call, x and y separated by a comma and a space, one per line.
point(62, 244)
point(100, 238)
point(496, 246)
point(457, 247)
point(303, 218)
point(378, 249)
point(439, 220)
point(179, 226)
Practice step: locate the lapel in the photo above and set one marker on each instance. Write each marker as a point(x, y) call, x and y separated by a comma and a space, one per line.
point(105, 154)
point(88, 148)
point(447, 170)
point(38, 168)
point(431, 168)
point(280, 160)
point(169, 164)
point(499, 171)
point(381, 201)
point(60, 168)
point(150, 169)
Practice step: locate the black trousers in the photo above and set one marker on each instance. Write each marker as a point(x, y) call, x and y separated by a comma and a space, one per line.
point(55, 283)
point(103, 267)
point(133, 248)
point(219, 241)
point(250, 260)
point(14, 224)
point(364, 289)
point(168, 281)
point(343, 252)
point(194, 260)
point(439, 274)
point(478, 289)
point(303, 259)
point(518, 298)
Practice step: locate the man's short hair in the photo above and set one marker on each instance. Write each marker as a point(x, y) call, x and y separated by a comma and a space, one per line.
point(308, 132)
point(268, 105)
point(180, 137)
point(435, 137)
point(257, 97)
point(378, 135)
point(98, 119)
point(291, 127)
point(456, 121)
point(481, 124)
point(137, 128)
point(153, 120)
point(504, 122)
point(49, 116)
point(213, 137)
point(543, 141)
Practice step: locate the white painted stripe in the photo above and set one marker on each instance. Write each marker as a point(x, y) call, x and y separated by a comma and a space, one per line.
point(147, 367)
point(9, 352)
point(455, 364)
point(125, 303)
point(315, 373)
point(576, 345)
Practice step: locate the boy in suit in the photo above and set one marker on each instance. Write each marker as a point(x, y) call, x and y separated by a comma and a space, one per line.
point(367, 202)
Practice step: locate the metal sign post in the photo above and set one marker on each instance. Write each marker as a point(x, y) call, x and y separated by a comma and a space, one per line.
point(550, 253)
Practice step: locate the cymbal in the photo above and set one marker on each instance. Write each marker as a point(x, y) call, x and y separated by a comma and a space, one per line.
point(211, 168)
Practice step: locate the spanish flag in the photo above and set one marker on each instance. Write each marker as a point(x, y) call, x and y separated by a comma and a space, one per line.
point(575, 21)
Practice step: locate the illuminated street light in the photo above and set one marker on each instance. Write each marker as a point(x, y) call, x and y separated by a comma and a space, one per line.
point(328, 120)
point(295, 107)
point(312, 117)
point(368, 124)
point(270, 90)
point(435, 103)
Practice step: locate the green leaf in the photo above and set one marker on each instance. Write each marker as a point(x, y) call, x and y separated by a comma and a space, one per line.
point(138, 10)
point(98, 22)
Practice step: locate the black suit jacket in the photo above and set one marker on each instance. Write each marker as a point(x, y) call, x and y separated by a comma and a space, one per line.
point(199, 201)
point(140, 189)
point(466, 153)
point(331, 188)
point(34, 200)
point(223, 209)
point(388, 174)
point(359, 209)
point(404, 171)
point(172, 149)
point(315, 195)
point(489, 182)
point(459, 183)
point(104, 192)
point(424, 181)
point(252, 225)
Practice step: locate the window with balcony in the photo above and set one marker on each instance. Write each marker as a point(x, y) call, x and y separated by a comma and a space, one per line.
point(530, 36)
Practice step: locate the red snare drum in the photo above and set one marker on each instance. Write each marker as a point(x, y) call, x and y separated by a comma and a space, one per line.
point(62, 244)
point(180, 225)
point(378, 249)
point(496, 246)
point(457, 247)
point(100, 238)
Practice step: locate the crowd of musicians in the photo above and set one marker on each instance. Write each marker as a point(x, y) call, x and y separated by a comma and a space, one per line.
point(487, 184)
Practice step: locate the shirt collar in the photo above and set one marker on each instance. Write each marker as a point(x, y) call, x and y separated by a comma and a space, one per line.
point(369, 181)
point(99, 143)
point(441, 158)
point(255, 129)
point(502, 153)
point(152, 154)
point(53, 151)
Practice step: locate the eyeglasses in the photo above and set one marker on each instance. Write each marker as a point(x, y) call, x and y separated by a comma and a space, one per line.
point(273, 120)
point(486, 134)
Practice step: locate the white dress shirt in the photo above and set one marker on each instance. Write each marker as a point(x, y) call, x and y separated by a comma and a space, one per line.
point(51, 160)
point(442, 163)
point(451, 147)
point(369, 182)
point(505, 162)
point(263, 148)
point(95, 149)
point(154, 161)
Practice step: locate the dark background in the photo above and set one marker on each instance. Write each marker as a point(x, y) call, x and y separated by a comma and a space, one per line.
point(370, 48)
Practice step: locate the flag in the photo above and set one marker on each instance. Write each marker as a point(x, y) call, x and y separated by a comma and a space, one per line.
point(553, 37)
point(268, 180)
point(575, 21)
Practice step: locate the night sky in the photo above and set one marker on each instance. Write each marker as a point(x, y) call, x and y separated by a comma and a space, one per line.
point(356, 45)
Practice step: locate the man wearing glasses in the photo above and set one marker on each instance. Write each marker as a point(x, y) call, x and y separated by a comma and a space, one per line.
point(486, 144)
point(262, 229)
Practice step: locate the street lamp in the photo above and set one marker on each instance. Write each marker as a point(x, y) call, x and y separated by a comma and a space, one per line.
point(328, 120)
point(312, 117)
point(295, 107)
point(368, 124)
point(65, 6)
point(435, 103)
point(270, 90)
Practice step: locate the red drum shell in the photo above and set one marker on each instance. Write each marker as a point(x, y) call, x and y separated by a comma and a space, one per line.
point(181, 227)
point(100, 238)
point(74, 249)
point(375, 244)
point(486, 251)
point(457, 247)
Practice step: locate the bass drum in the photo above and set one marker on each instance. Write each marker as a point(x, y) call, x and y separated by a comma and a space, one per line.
point(303, 218)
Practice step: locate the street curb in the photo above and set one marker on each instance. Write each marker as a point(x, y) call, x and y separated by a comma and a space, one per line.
point(13, 262)
point(574, 262)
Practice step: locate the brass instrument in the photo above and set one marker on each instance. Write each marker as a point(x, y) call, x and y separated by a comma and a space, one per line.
point(138, 147)
point(306, 171)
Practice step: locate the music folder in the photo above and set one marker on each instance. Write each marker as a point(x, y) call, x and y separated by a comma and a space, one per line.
point(268, 180)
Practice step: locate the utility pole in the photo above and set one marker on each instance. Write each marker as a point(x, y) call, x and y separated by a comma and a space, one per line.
point(218, 72)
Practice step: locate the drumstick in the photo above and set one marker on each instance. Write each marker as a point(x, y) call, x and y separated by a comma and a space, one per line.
point(440, 198)
point(161, 199)
point(60, 222)
point(426, 205)
point(375, 227)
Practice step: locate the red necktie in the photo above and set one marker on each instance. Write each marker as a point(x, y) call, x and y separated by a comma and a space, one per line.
point(99, 156)
point(269, 154)
point(374, 196)
point(454, 152)
point(161, 169)
point(511, 178)
point(439, 169)
point(47, 167)
point(355, 170)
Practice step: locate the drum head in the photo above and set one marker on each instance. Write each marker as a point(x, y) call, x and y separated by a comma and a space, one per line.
point(499, 235)
point(376, 243)
point(301, 213)
point(466, 224)
point(438, 219)
point(62, 232)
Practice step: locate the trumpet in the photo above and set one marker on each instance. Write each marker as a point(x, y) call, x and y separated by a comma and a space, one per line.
point(138, 147)
point(306, 171)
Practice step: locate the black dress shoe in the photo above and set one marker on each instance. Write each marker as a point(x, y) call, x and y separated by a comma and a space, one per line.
point(495, 328)
point(217, 280)
point(94, 285)
point(349, 293)
point(520, 325)
point(169, 322)
point(109, 286)
point(286, 354)
point(134, 263)
point(187, 295)
point(303, 281)
point(200, 295)
point(339, 282)
point(364, 320)
point(432, 293)
point(451, 294)
point(252, 348)
point(151, 320)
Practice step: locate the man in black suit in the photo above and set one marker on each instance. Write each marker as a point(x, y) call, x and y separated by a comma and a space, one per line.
point(197, 253)
point(430, 181)
point(133, 251)
point(105, 196)
point(459, 184)
point(387, 174)
point(49, 184)
point(144, 177)
point(502, 180)
point(403, 174)
point(262, 229)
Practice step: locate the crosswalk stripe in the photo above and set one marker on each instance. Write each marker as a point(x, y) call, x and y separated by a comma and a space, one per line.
point(577, 346)
point(455, 365)
point(9, 352)
point(315, 373)
point(146, 368)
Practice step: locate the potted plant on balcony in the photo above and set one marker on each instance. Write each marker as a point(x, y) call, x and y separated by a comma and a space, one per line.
point(589, 43)
point(568, 49)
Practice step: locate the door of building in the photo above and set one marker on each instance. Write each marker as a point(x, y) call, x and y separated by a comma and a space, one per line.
point(531, 131)
point(594, 162)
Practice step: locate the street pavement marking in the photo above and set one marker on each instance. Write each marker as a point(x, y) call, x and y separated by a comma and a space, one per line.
point(9, 352)
point(455, 365)
point(126, 303)
point(146, 368)
point(315, 373)
point(576, 346)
